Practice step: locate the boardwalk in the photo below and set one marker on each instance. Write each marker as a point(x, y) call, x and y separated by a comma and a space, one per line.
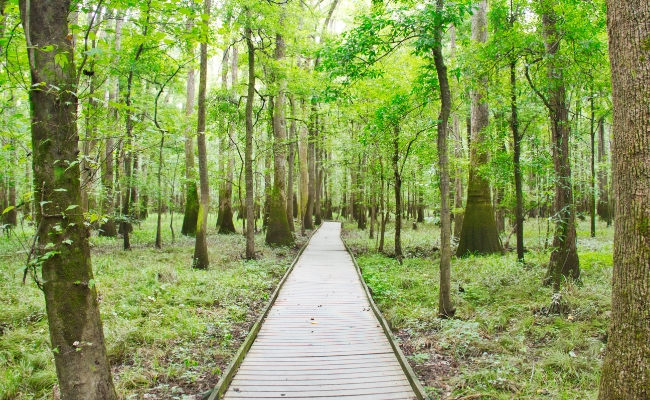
point(320, 338)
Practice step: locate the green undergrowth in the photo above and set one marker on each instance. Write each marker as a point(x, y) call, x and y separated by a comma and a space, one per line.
point(170, 330)
point(502, 343)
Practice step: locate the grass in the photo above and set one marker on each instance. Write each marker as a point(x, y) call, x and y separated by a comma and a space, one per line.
point(170, 330)
point(501, 344)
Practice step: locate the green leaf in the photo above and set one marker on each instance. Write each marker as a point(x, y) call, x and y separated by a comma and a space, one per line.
point(91, 283)
point(71, 207)
point(6, 210)
point(95, 51)
point(67, 241)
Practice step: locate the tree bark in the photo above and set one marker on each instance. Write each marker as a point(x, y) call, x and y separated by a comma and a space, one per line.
point(227, 225)
point(311, 167)
point(278, 232)
point(201, 259)
point(73, 315)
point(516, 140)
point(108, 228)
point(304, 175)
point(446, 307)
point(250, 205)
point(604, 208)
point(564, 257)
point(291, 161)
point(479, 233)
point(191, 215)
point(398, 195)
point(625, 373)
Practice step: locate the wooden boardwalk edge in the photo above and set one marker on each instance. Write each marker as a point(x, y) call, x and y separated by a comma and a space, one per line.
point(221, 387)
point(413, 379)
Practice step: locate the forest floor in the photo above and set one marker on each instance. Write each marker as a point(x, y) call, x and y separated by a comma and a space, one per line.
point(170, 330)
point(502, 344)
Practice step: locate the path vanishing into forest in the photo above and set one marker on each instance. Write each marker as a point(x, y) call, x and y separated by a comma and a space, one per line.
point(321, 338)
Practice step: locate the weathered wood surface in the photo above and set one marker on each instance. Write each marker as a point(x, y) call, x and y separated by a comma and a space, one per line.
point(321, 338)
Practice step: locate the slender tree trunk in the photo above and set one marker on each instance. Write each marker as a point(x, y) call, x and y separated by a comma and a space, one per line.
point(73, 315)
point(564, 257)
point(278, 232)
point(304, 176)
point(191, 215)
point(398, 195)
point(445, 305)
point(200, 259)
point(592, 179)
point(604, 208)
point(227, 225)
point(291, 161)
point(479, 233)
point(516, 139)
point(223, 143)
point(160, 197)
point(250, 205)
point(318, 172)
point(108, 228)
point(625, 373)
point(130, 158)
point(311, 167)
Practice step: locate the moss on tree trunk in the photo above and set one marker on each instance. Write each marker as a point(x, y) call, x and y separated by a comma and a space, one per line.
point(63, 249)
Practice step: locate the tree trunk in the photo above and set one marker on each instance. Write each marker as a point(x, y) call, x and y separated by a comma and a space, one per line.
point(361, 221)
point(311, 165)
point(516, 139)
point(592, 177)
point(191, 192)
point(479, 233)
point(304, 175)
point(625, 373)
point(291, 161)
point(278, 232)
point(604, 208)
point(564, 257)
point(108, 227)
point(73, 315)
point(398, 195)
point(248, 159)
point(458, 155)
point(227, 225)
point(200, 259)
point(445, 306)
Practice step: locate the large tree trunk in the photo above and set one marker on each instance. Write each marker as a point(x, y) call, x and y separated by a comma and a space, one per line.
point(278, 232)
point(73, 315)
point(200, 259)
point(227, 225)
point(191, 192)
point(625, 369)
point(445, 305)
point(479, 233)
point(564, 257)
point(250, 204)
point(398, 194)
point(223, 142)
